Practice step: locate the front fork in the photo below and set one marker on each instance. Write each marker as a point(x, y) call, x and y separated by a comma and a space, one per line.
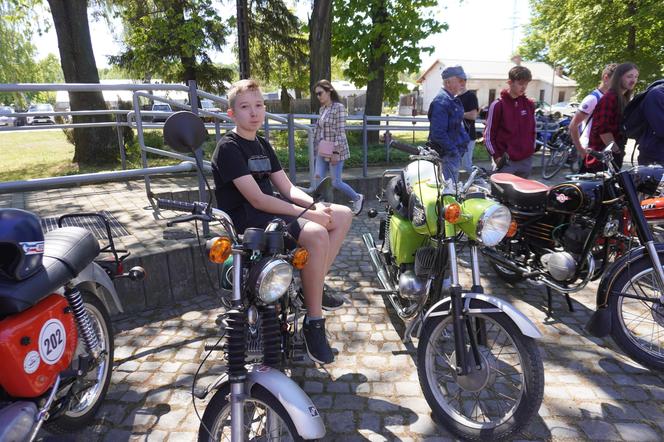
point(237, 371)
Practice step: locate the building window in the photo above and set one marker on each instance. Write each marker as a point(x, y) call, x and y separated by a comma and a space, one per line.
point(561, 96)
point(492, 95)
point(541, 95)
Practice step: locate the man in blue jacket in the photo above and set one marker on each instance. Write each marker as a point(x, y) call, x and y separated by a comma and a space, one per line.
point(651, 143)
point(446, 131)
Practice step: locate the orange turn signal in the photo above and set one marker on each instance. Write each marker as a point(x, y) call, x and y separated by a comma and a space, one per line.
point(512, 229)
point(300, 258)
point(453, 213)
point(219, 249)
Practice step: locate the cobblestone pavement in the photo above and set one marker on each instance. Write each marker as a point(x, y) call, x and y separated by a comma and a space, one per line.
point(371, 392)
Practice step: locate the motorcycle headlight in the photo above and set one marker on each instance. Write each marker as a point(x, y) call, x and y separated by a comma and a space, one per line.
point(273, 279)
point(493, 224)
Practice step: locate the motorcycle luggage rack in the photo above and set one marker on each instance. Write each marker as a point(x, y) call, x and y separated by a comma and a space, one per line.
point(112, 267)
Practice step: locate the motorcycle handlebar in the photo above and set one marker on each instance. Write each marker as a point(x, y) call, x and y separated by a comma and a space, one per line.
point(181, 206)
point(407, 148)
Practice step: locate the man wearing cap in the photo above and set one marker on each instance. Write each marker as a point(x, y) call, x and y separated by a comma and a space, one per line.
point(446, 132)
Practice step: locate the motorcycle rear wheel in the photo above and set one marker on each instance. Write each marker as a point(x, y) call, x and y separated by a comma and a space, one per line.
point(216, 423)
point(471, 408)
point(88, 391)
point(637, 326)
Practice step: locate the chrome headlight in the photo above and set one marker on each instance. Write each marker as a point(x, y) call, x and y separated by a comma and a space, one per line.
point(273, 280)
point(493, 224)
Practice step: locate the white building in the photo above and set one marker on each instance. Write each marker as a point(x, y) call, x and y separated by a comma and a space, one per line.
point(488, 78)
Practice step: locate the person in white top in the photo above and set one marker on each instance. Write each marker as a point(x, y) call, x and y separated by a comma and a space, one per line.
point(579, 127)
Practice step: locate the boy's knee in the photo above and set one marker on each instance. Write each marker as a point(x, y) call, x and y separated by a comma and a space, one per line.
point(314, 235)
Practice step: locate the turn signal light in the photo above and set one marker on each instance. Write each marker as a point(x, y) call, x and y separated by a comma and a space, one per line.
point(300, 258)
point(219, 249)
point(453, 213)
point(512, 229)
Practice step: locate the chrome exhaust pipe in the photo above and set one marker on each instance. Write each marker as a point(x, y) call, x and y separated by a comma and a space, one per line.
point(379, 267)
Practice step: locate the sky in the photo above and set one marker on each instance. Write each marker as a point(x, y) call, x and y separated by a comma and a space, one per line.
point(478, 30)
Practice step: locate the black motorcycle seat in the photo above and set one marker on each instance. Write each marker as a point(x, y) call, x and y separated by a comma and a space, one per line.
point(519, 193)
point(67, 251)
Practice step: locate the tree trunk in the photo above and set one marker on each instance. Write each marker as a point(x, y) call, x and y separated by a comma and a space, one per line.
point(285, 100)
point(243, 38)
point(631, 30)
point(376, 85)
point(320, 47)
point(93, 146)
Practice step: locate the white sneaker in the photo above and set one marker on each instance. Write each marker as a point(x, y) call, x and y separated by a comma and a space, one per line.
point(358, 204)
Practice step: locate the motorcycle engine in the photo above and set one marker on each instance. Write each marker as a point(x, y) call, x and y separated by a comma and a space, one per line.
point(575, 237)
point(412, 287)
point(560, 265)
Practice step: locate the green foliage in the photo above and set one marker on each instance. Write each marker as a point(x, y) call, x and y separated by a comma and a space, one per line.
point(368, 32)
point(171, 40)
point(585, 35)
point(114, 73)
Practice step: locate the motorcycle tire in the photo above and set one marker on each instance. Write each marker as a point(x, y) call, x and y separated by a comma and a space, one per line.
point(85, 402)
point(217, 416)
point(631, 336)
point(555, 161)
point(499, 377)
point(506, 275)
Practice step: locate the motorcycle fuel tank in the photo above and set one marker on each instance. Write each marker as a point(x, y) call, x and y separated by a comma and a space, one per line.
point(404, 240)
point(36, 345)
point(574, 197)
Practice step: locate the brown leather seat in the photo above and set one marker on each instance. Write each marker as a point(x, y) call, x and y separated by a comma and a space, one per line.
point(519, 193)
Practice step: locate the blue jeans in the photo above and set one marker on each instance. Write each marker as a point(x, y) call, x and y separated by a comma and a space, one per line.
point(451, 163)
point(335, 172)
point(467, 159)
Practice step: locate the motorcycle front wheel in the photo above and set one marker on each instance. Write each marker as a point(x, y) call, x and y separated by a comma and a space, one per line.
point(88, 391)
point(493, 402)
point(637, 325)
point(265, 419)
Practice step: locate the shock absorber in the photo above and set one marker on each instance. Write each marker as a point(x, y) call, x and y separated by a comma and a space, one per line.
point(271, 336)
point(85, 328)
point(236, 345)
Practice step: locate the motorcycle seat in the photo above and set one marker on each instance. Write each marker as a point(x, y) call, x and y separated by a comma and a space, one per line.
point(519, 193)
point(67, 251)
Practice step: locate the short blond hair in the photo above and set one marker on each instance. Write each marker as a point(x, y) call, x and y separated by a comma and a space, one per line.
point(248, 84)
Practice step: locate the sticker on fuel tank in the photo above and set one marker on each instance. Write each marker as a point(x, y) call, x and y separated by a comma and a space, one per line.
point(31, 362)
point(52, 340)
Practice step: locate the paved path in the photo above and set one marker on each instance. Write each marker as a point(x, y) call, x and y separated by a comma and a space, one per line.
point(371, 392)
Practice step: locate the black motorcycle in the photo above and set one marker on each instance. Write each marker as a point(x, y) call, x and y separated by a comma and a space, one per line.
point(569, 234)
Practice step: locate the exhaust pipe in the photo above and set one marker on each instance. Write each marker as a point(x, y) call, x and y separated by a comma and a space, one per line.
point(377, 262)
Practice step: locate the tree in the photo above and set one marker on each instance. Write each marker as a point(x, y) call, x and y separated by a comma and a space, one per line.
point(380, 40)
point(585, 35)
point(320, 46)
point(278, 48)
point(171, 39)
point(93, 146)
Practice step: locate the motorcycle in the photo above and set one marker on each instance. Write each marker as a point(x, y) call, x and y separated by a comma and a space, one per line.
point(477, 359)
point(56, 338)
point(581, 230)
point(253, 399)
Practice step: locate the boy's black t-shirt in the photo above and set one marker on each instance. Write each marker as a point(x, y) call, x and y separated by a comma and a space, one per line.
point(229, 161)
point(469, 101)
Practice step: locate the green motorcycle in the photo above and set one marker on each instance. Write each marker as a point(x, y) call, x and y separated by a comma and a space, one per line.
point(477, 360)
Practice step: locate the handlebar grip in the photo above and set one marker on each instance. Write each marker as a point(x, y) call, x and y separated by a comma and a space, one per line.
point(409, 149)
point(178, 206)
point(595, 154)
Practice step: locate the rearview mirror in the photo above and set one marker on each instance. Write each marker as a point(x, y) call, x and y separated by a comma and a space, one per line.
point(184, 131)
point(321, 190)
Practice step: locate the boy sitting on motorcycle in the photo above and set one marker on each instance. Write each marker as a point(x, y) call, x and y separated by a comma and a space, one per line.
point(245, 169)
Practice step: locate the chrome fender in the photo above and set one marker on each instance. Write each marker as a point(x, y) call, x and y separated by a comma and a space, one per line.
point(93, 276)
point(295, 401)
point(527, 327)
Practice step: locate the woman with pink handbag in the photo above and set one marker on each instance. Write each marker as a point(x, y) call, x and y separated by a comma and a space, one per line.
point(331, 143)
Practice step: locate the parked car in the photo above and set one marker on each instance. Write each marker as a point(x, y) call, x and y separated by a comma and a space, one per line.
point(6, 116)
point(209, 106)
point(40, 118)
point(161, 107)
point(565, 108)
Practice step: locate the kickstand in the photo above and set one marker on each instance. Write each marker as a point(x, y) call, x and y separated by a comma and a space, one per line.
point(549, 305)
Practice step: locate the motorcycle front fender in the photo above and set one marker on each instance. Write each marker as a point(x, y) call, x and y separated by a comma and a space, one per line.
point(91, 278)
point(295, 401)
point(527, 327)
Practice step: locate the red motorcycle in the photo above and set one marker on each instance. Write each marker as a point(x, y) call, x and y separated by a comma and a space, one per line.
point(56, 339)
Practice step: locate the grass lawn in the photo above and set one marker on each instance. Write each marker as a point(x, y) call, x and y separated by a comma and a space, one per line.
point(47, 153)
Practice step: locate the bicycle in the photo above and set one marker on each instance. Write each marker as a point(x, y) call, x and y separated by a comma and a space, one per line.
point(562, 152)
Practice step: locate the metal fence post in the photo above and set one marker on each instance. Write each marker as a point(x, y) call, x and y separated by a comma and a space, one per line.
point(217, 130)
point(292, 171)
point(387, 137)
point(365, 147)
point(266, 129)
point(202, 193)
point(123, 154)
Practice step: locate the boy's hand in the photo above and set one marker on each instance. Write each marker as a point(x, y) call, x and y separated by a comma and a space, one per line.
point(324, 207)
point(319, 216)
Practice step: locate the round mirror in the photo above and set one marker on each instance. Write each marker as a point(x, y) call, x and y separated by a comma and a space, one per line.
point(184, 131)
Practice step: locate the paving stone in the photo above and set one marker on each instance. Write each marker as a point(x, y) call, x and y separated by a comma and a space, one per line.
point(636, 431)
point(599, 430)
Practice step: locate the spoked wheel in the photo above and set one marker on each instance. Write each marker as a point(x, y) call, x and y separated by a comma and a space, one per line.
point(265, 419)
point(555, 161)
point(494, 401)
point(88, 392)
point(637, 325)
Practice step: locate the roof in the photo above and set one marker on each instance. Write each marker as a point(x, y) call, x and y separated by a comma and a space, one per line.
point(492, 70)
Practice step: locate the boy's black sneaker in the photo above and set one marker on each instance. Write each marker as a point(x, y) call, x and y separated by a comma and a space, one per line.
point(332, 301)
point(315, 341)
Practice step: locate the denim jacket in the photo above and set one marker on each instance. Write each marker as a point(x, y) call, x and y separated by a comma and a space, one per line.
point(446, 123)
